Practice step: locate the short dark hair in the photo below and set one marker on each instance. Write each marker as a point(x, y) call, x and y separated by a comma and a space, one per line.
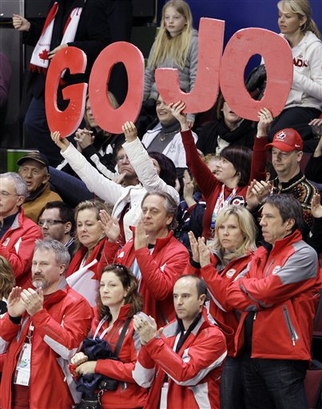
point(289, 208)
point(201, 284)
point(66, 213)
point(240, 157)
point(202, 288)
point(170, 205)
point(168, 171)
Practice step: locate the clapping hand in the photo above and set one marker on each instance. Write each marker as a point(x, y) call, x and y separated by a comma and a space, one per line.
point(110, 226)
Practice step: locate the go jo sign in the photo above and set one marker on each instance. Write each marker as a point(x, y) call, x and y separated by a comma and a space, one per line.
point(215, 69)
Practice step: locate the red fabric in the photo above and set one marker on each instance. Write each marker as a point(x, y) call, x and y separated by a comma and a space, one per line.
point(98, 253)
point(192, 388)
point(63, 322)
point(160, 270)
point(17, 245)
point(20, 397)
point(128, 393)
point(229, 273)
point(209, 186)
point(285, 299)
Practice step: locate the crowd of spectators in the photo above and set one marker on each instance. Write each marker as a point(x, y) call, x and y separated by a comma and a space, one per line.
point(178, 268)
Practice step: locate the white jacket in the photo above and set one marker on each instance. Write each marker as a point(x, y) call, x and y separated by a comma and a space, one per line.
point(306, 88)
point(116, 194)
point(174, 150)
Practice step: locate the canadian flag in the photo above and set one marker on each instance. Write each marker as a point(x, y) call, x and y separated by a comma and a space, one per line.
point(84, 281)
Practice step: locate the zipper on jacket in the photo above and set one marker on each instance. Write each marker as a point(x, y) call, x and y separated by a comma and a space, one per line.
point(291, 329)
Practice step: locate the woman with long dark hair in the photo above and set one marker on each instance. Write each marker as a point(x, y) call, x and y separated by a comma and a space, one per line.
point(117, 302)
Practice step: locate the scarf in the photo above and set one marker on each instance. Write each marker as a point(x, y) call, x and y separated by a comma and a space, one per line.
point(39, 59)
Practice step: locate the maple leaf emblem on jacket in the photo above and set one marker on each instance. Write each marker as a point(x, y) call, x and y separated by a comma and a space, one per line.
point(43, 55)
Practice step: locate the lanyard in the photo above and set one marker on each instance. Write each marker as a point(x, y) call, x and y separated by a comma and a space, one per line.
point(220, 203)
point(106, 330)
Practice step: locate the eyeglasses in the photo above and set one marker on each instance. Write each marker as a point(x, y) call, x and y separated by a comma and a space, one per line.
point(49, 222)
point(4, 193)
point(121, 158)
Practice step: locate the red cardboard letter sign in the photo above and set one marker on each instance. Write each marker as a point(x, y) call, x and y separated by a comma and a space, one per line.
point(279, 68)
point(106, 116)
point(66, 121)
point(205, 91)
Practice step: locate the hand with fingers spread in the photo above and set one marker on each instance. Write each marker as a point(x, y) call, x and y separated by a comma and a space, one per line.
point(62, 143)
point(316, 208)
point(110, 226)
point(256, 192)
point(316, 122)
point(130, 131)
point(176, 110)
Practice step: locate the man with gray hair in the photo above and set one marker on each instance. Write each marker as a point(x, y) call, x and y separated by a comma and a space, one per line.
point(276, 301)
point(43, 328)
point(154, 255)
point(17, 232)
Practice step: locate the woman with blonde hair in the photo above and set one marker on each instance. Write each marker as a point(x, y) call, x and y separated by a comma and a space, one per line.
point(230, 255)
point(304, 102)
point(84, 270)
point(175, 46)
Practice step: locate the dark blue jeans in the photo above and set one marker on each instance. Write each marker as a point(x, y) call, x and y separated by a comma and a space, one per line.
point(38, 133)
point(231, 388)
point(274, 383)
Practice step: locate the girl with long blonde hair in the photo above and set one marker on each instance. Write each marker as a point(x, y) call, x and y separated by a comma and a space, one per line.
point(175, 46)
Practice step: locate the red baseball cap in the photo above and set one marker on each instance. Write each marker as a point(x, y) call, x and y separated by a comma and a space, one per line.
point(286, 140)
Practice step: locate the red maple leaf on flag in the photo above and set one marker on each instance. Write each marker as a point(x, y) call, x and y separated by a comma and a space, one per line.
point(43, 55)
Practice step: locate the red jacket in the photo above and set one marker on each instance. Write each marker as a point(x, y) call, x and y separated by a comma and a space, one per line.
point(160, 270)
point(210, 186)
point(194, 372)
point(236, 269)
point(17, 246)
point(128, 394)
point(282, 287)
point(59, 329)
point(85, 280)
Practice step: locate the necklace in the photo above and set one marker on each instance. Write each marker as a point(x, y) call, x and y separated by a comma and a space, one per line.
point(163, 135)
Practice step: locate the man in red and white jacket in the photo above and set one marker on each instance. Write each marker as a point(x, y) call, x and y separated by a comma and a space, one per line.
point(183, 365)
point(278, 298)
point(18, 233)
point(154, 255)
point(43, 328)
